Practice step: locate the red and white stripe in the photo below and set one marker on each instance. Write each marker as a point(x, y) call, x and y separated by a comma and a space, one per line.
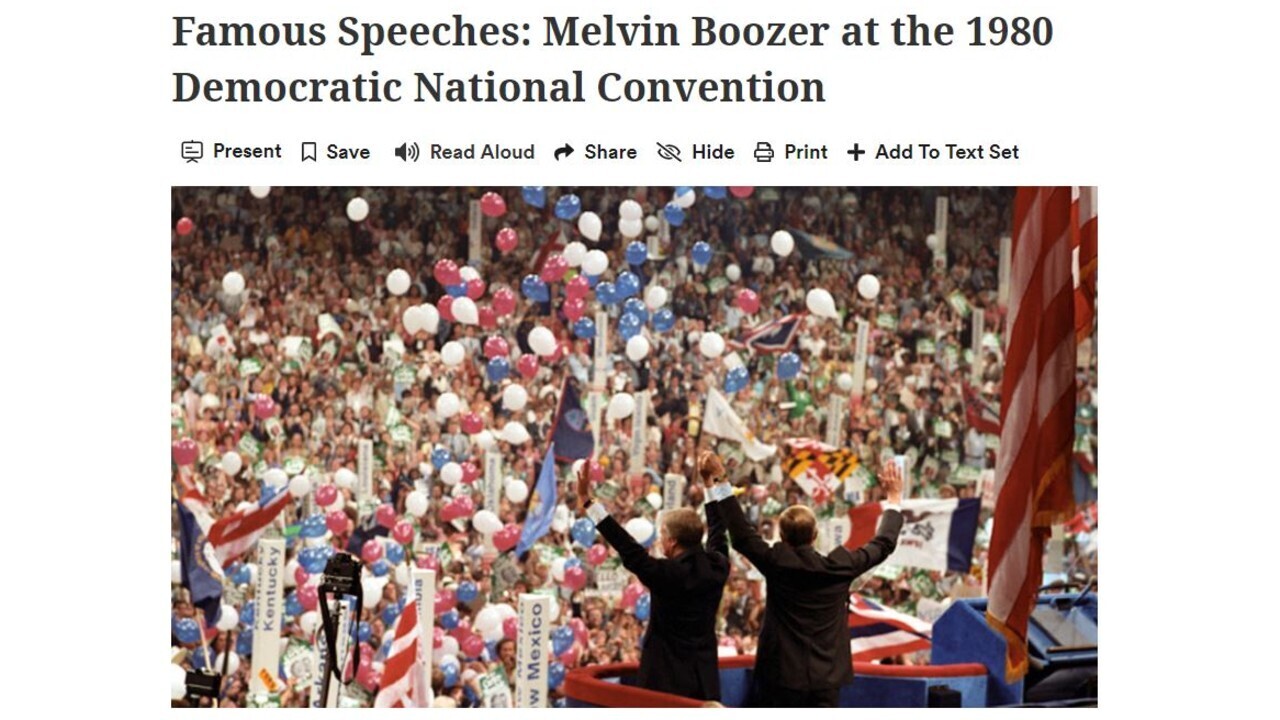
point(1084, 257)
point(887, 633)
point(399, 674)
point(236, 534)
point(1033, 487)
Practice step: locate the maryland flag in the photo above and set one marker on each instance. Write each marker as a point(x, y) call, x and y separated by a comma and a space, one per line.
point(817, 467)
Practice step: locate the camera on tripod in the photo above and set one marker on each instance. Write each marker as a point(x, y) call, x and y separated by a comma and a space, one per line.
point(341, 575)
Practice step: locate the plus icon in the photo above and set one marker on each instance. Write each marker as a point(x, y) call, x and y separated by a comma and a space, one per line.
point(857, 152)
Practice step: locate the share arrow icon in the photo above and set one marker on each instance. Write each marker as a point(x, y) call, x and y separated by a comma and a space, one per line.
point(564, 152)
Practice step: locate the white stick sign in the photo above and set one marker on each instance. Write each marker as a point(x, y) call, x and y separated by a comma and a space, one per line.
point(424, 598)
point(672, 490)
point(639, 428)
point(860, 356)
point(268, 612)
point(531, 656)
point(364, 469)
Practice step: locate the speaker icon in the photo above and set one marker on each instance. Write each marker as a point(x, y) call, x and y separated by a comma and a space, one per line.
point(407, 152)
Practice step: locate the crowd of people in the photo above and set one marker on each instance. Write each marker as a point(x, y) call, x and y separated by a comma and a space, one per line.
point(302, 259)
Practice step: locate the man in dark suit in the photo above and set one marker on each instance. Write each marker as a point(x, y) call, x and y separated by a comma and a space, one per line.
point(803, 657)
point(680, 648)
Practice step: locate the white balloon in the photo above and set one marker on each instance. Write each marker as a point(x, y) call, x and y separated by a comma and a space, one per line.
point(448, 405)
point(228, 619)
point(654, 500)
point(515, 397)
point(590, 226)
point(542, 340)
point(630, 229)
point(621, 406)
point(357, 209)
point(290, 572)
point(595, 262)
point(711, 344)
point(486, 522)
point(465, 311)
point(233, 283)
point(517, 491)
point(686, 200)
point(507, 610)
point(821, 303)
point(398, 281)
point(175, 571)
point(487, 619)
point(260, 191)
point(931, 242)
point(651, 223)
point(869, 287)
point(782, 243)
point(309, 621)
point(430, 318)
point(177, 682)
point(630, 210)
point(468, 273)
point(402, 579)
point(371, 588)
point(485, 440)
point(515, 433)
point(638, 348)
point(412, 319)
point(233, 663)
point(574, 253)
point(844, 381)
point(299, 486)
point(655, 296)
point(450, 647)
point(276, 478)
point(452, 353)
point(344, 479)
point(231, 462)
point(733, 272)
point(557, 569)
point(640, 529)
point(417, 503)
point(872, 384)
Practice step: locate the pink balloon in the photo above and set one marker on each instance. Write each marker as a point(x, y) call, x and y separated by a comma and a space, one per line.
point(597, 554)
point(472, 646)
point(402, 532)
point(300, 576)
point(741, 192)
point(496, 346)
point(446, 272)
point(748, 301)
point(445, 306)
point(506, 240)
point(185, 451)
point(595, 471)
point(631, 593)
point(507, 537)
point(386, 515)
point(336, 521)
point(554, 268)
point(472, 423)
point(527, 365)
point(579, 629)
point(372, 551)
point(574, 308)
point(510, 627)
point(578, 287)
point(308, 596)
point(470, 473)
point(445, 601)
point(264, 407)
point(476, 288)
point(492, 205)
point(428, 562)
point(438, 636)
point(326, 495)
point(369, 678)
point(466, 506)
point(575, 578)
point(488, 318)
point(570, 657)
point(504, 301)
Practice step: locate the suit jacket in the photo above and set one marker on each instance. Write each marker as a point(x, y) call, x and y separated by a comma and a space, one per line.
point(680, 648)
point(804, 642)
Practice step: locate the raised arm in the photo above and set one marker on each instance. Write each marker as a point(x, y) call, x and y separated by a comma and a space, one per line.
point(724, 506)
point(886, 540)
point(717, 538)
point(635, 557)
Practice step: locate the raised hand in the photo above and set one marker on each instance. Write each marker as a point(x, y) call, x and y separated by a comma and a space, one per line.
point(891, 480)
point(710, 467)
point(584, 485)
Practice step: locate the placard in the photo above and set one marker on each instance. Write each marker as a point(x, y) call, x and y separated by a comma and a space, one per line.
point(531, 651)
point(268, 616)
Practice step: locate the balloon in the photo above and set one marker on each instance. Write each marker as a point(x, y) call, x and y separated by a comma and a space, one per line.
point(561, 639)
point(264, 407)
point(535, 195)
point(630, 228)
point(845, 382)
point(574, 308)
point(233, 283)
point(534, 288)
point(486, 522)
point(629, 326)
point(733, 272)
point(515, 433)
point(445, 307)
point(555, 675)
point(313, 526)
point(869, 287)
point(430, 318)
point(448, 405)
point(452, 353)
point(335, 521)
point(507, 537)
point(517, 491)
point(461, 506)
point(475, 288)
point(684, 197)
point(506, 240)
point(177, 675)
point(643, 607)
point(584, 328)
point(674, 214)
point(357, 209)
point(299, 486)
point(748, 301)
point(574, 253)
point(292, 605)
point(246, 614)
point(651, 223)
point(637, 253)
point(589, 225)
point(583, 532)
point(788, 366)
point(185, 451)
point(736, 379)
point(741, 192)
point(402, 532)
point(578, 288)
point(371, 551)
point(472, 646)
point(640, 529)
point(702, 253)
point(467, 590)
point(664, 320)
point(628, 284)
point(456, 291)
point(527, 365)
point(621, 406)
point(391, 612)
point(451, 473)
point(228, 618)
point(596, 554)
point(412, 319)
point(496, 346)
point(497, 369)
point(493, 205)
point(631, 594)
point(398, 282)
point(630, 210)
point(575, 578)
point(595, 262)
point(606, 293)
point(782, 243)
point(635, 306)
point(449, 619)
point(654, 500)
point(515, 397)
point(637, 348)
point(231, 463)
point(485, 440)
point(472, 423)
point(655, 297)
point(821, 303)
point(446, 272)
point(711, 344)
point(542, 340)
point(554, 268)
point(465, 310)
point(715, 192)
point(488, 318)
point(470, 473)
point(309, 596)
point(439, 457)
point(568, 207)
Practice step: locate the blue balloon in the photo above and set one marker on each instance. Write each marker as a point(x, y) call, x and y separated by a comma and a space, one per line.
point(534, 288)
point(636, 306)
point(788, 366)
point(389, 614)
point(606, 293)
point(561, 640)
point(312, 560)
point(584, 328)
point(267, 492)
point(242, 575)
point(629, 326)
point(674, 214)
point(467, 591)
point(702, 253)
point(555, 675)
point(440, 457)
point(456, 290)
point(736, 379)
point(380, 567)
point(187, 631)
point(583, 533)
point(535, 195)
point(244, 643)
point(395, 553)
point(682, 189)
point(664, 320)
point(643, 607)
point(592, 281)
point(198, 659)
point(715, 192)
point(246, 614)
point(449, 620)
point(568, 207)
point(573, 562)
point(637, 252)
point(498, 369)
point(313, 527)
point(450, 675)
point(292, 605)
point(364, 632)
point(628, 284)
point(385, 650)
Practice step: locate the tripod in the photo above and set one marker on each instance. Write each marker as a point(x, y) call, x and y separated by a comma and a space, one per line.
point(340, 586)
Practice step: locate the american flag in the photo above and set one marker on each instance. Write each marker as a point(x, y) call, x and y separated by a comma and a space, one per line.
point(1084, 257)
point(400, 684)
point(1033, 467)
point(876, 632)
point(236, 534)
point(775, 336)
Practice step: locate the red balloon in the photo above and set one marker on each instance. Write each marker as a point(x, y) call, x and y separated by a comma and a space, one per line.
point(386, 515)
point(492, 205)
point(506, 240)
point(554, 268)
point(527, 365)
point(446, 272)
point(472, 646)
point(402, 532)
point(368, 678)
point(488, 318)
point(597, 554)
point(445, 306)
point(570, 657)
point(445, 600)
point(504, 301)
point(476, 288)
point(470, 473)
point(579, 629)
point(578, 287)
point(185, 226)
point(496, 346)
point(510, 627)
point(264, 407)
point(595, 471)
point(300, 576)
point(326, 495)
point(308, 596)
point(575, 578)
point(336, 521)
point(507, 537)
point(574, 308)
point(472, 424)
point(185, 451)
point(741, 192)
point(428, 562)
point(372, 551)
point(437, 637)
point(748, 301)
point(631, 593)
